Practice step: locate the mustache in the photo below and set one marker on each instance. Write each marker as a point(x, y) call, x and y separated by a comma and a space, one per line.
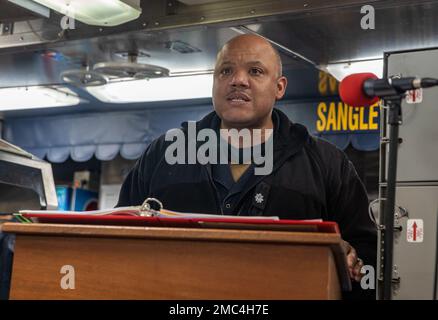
point(238, 94)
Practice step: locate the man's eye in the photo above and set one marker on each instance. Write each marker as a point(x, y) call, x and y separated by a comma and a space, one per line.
point(226, 71)
point(255, 71)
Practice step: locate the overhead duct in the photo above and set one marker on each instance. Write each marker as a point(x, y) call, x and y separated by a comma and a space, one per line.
point(33, 7)
point(21, 10)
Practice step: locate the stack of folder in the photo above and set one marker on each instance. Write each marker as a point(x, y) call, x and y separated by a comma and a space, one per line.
point(136, 216)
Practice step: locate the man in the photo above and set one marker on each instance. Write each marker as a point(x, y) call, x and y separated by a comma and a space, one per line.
point(310, 178)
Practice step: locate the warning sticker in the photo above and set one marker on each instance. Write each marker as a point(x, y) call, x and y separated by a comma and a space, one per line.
point(414, 96)
point(415, 231)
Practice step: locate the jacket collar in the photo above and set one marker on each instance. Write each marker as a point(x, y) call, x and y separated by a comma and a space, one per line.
point(289, 137)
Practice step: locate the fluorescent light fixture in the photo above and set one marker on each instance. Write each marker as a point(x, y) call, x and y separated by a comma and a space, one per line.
point(341, 70)
point(96, 12)
point(158, 89)
point(36, 97)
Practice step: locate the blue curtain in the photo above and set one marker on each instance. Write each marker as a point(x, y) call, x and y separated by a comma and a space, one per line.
point(82, 135)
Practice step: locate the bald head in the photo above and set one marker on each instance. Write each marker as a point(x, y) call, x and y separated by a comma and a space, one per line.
point(247, 82)
point(251, 40)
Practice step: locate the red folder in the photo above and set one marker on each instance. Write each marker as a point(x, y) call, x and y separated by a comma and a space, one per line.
point(246, 223)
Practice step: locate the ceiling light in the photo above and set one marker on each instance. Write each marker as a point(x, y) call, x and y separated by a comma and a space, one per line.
point(159, 89)
point(36, 97)
point(96, 12)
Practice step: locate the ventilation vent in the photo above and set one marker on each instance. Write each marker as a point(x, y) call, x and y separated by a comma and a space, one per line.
point(130, 68)
point(181, 47)
point(83, 78)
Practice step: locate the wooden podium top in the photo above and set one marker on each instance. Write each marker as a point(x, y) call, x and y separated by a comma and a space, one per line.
point(37, 238)
point(310, 238)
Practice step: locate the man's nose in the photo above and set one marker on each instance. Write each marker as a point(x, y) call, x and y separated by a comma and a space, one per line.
point(239, 79)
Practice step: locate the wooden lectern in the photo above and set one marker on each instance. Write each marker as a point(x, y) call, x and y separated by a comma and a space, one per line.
point(114, 262)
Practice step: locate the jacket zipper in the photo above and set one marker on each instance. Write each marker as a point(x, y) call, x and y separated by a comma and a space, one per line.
point(210, 179)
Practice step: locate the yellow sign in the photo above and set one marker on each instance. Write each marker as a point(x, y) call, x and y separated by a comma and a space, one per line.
point(327, 84)
point(338, 116)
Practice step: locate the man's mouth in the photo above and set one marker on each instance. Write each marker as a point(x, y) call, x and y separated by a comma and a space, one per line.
point(238, 97)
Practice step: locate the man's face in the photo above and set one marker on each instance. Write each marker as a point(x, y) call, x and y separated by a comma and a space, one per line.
point(247, 83)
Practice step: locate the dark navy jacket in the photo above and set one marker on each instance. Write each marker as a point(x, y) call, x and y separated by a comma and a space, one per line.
point(311, 179)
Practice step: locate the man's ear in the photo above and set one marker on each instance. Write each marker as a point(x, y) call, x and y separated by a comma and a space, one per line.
point(281, 87)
